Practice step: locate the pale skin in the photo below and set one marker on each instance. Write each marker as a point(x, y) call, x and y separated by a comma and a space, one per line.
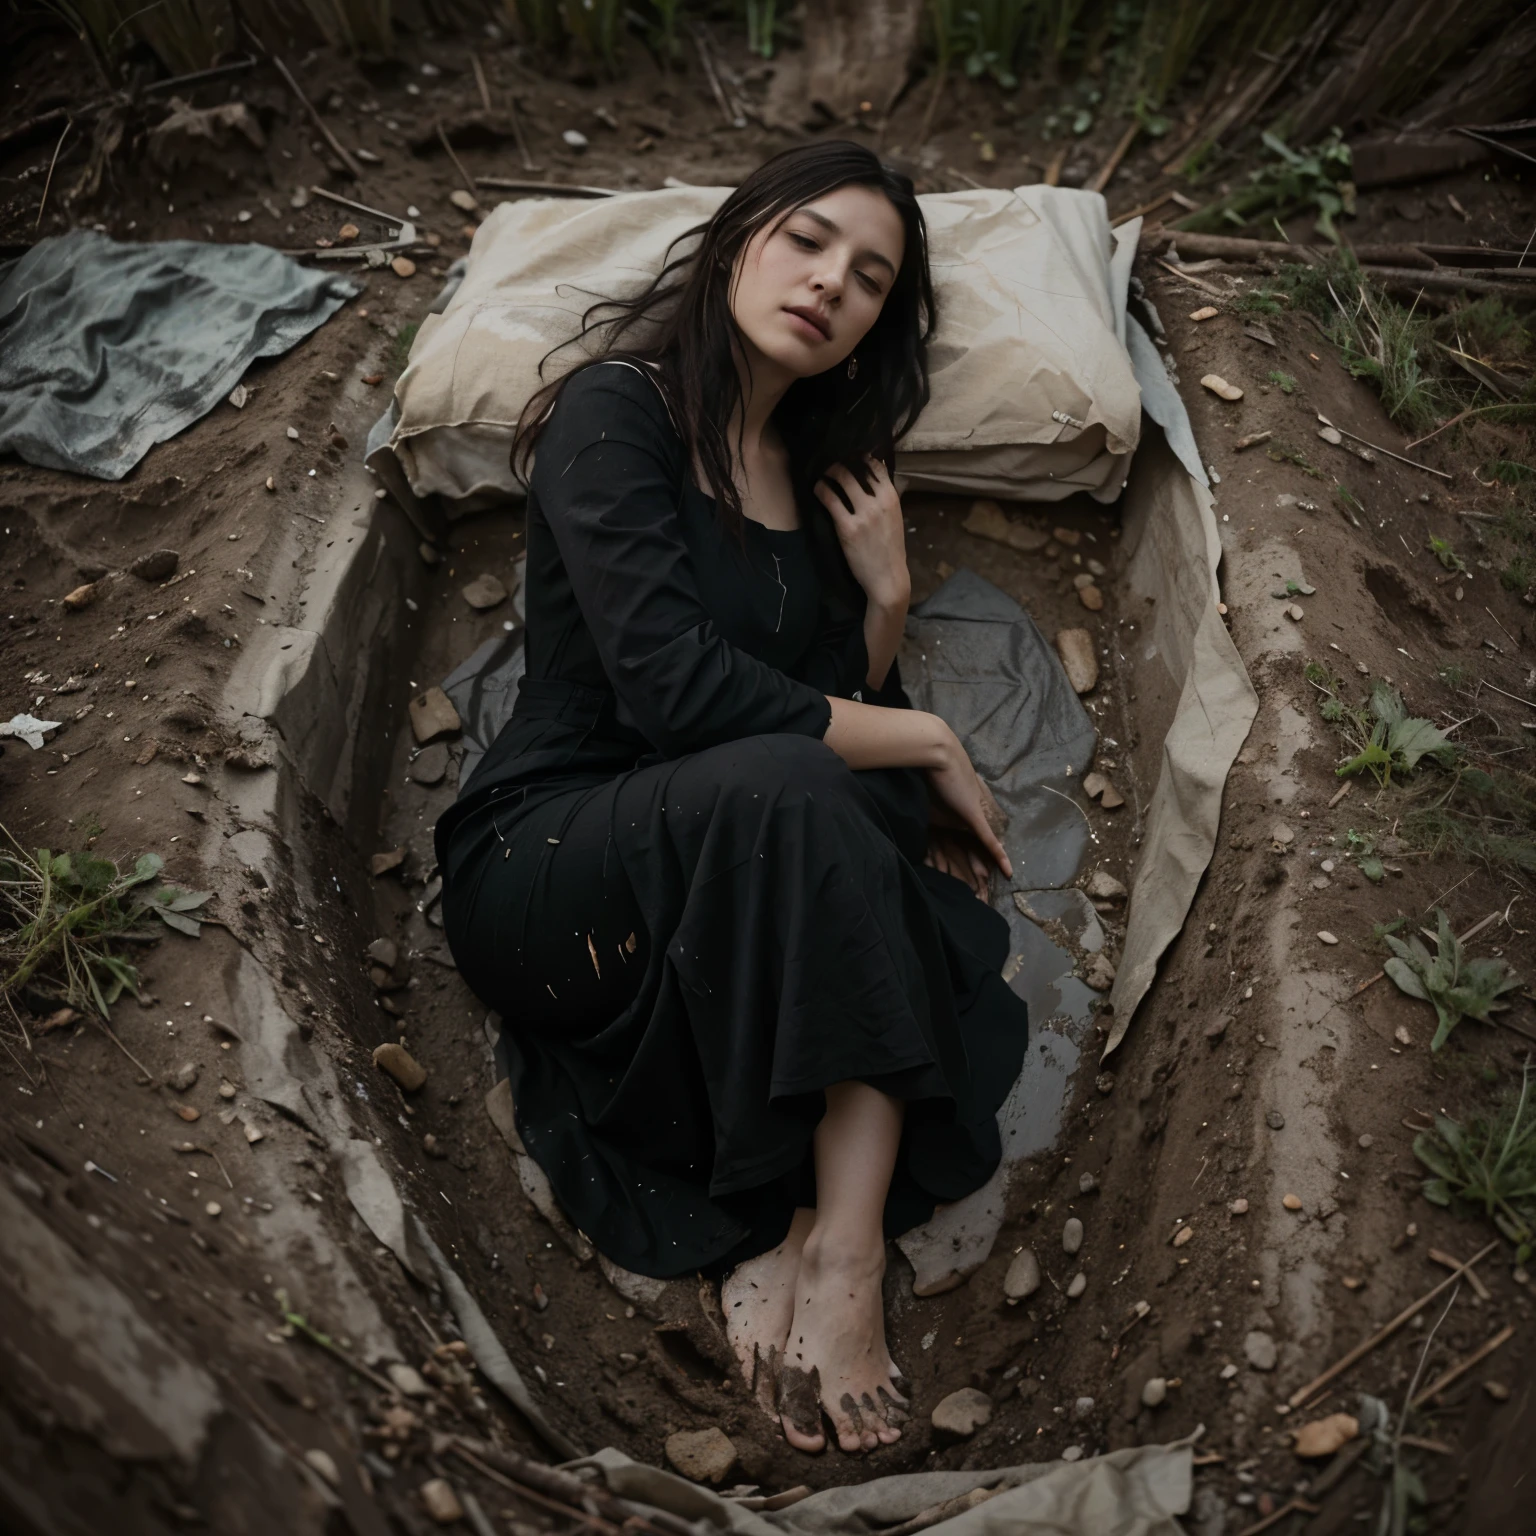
point(808, 1315)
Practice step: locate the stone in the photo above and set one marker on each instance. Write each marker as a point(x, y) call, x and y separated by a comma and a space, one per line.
point(987, 520)
point(440, 1501)
point(1260, 1350)
point(1077, 1285)
point(1105, 1083)
point(1218, 1026)
point(1326, 866)
point(1239, 1207)
point(1102, 886)
point(1330, 435)
point(188, 1112)
point(347, 233)
point(1322, 1437)
point(1072, 1453)
point(1291, 1202)
point(1295, 612)
point(1023, 1277)
point(227, 1090)
point(1068, 536)
point(1205, 312)
point(321, 1462)
point(430, 765)
point(1086, 1184)
point(403, 266)
point(702, 1455)
point(384, 952)
point(186, 1076)
point(485, 592)
point(1075, 647)
point(1154, 1391)
point(574, 139)
point(1497, 1391)
point(382, 863)
point(1401, 1035)
point(432, 716)
point(214, 1209)
point(1100, 974)
point(82, 597)
point(1274, 1120)
point(1366, 1142)
point(1081, 580)
point(1082, 1408)
point(1090, 597)
point(1325, 937)
point(1228, 1372)
point(1219, 386)
point(1182, 1236)
point(156, 565)
point(962, 1413)
point(465, 202)
point(1072, 1235)
point(1282, 834)
point(401, 1065)
point(429, 555)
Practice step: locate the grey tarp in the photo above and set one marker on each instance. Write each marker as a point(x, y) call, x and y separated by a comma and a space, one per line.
point(107, 349)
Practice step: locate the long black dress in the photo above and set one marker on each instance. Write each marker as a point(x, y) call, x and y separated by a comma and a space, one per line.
point(691, 914)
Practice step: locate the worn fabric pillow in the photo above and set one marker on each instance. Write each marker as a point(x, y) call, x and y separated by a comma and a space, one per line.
point(1033, 396)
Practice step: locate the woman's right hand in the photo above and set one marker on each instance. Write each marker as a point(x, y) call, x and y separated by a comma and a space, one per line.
point(957, 787)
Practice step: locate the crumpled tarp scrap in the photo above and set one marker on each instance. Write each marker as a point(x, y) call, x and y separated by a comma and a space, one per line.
point(108, 348)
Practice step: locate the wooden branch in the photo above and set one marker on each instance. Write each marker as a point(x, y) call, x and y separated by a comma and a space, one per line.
point(353, 168)
point(1441, 1382)
point(1450, 1261)
point(469, 181)
point(547, 188)
point(1101, 178)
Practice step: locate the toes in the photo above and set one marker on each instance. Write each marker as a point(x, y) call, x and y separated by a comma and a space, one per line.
point(893, 1409)
point(799, 1407)
point(849, 1424)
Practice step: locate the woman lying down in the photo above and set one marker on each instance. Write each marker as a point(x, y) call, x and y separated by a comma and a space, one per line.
point(716, 874)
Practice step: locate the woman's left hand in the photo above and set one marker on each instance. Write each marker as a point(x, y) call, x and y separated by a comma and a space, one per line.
point(869, 528)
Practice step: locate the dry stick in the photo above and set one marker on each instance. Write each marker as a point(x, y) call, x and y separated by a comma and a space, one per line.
point(480, 81)
point(1339, 794)
point(1516, 697)
point(149, 1077)
point(1053, 170)
point(1251, 441)
point(1194, 282)
point(1419, 1443)
point(1344, 432)
point(517, 133)
point(1436, 1387)
point(442, 138)
point(548, 188)
point(1502, 405)
point(320, 124)
point(69, 123)
point(713, 78)
point(1102, 176)
point(1293, 1507)
point(1492, 615)
point(1140, 210)
point(346, 202)
point(1448, 1261)
point(1360, 1351)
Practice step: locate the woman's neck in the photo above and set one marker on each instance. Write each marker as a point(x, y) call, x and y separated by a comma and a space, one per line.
point(763, 384)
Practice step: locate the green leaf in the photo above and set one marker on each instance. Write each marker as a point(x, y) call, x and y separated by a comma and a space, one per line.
point(1387, 703)
point(180, 922)
point(183, 901)
point(147, 867)
point(1375, 759)
point(1412, 739)
point(1373, 869)
point(1407, 979)
point(1434, 1157)
point(1437, 1191)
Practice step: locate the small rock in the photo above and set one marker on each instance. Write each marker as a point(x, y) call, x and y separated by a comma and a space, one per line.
point(213, 1208)
point(406, 1379)
point(384, 952)
point(1182, 1236)
point(156, 565)
point(347, 233)
point(1295, 612)
point(1077, 1285)
point(1091, 598)
point(1102, 886)
point(1239, 1207)
point(440, 1501)
point(1023, 1277)
point(1082, 1408)
point(1228, 1372)
point(1075, 647)
point(1072, 1453)
point(1081, 580)
point(702, 1455)
point(429, 554)
point(1330, 435)
point(1105, 1083)
point(1072, 1235)
point(82, 597)
point(321, 1462)
point(1291, 1202)
point(253, 1133)
point(1326, 937)
point(540, 1297)
point(238, 396)
point(1401, 1035)
point(1205, 312)
point(1260, 1350)
point(1282, 834)
point(1068, 536)
point(1497, 1391)
point(403, 266)
point(1322, 1437)
point(432, 716)
point(293, 434)
point(485, 592)
point(227, 1090)
point(1154, 1392)
point(1096, 567)
point(574, 140)
point(1100, 974)
point(382, 863)
point(465, 202)
point(1274, 1120)
point(1086, 1184)
point(186, 1076)
point(401, 1065)
point(430, 765)
point(962, 1413)
point(1218, 1026)
point(188, 1112)
point(1219, 386)
point(1326, 866)
point(987, 520)
point(1366, 1142)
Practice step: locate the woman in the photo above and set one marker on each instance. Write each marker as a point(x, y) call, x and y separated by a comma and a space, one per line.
point(716, 874)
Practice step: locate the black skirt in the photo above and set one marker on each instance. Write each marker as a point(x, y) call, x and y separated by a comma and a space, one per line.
point(686, 954)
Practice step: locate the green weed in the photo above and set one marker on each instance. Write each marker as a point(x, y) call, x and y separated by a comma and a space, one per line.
point(401, 352)
point(1488, 1166)
point(1458, 988)
point(1442, 551)
point(1284, 382)
point(1282, 453)
point(1385, 738)
point(1483, 814)
point(1291, 182)
point(1520, 574)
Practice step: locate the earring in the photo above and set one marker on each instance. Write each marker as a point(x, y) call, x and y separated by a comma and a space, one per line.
point(853, 367)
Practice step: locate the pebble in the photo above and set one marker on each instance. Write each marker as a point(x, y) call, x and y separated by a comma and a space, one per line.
point(1282, 834)
point(574, 139)
point(382, 863)
point(1068, 536)
point(440, 1501)
point(227, 1090)
point(1075, 647)
point(1291, 1202)
point(465, 202)
point(1102, 886)
point(1401, 1035)
point(1260, 1350)
point(1097, 786)
point(1325, 937)
point(253, 1133)
point(403, 266)
point(1497, 1391)
point(1096, 567)
point(82, 597)
point(156, 565)
point(293, 434)
point(1326, 866)
point(320, 1461)
point(1366, 1142)
point(1072, 1453)
point(1100, 974)
point(400, 1065)
point(188, 1113)
point(384, 952)
point(1182, 1236)
point(1239, 1207)
point(1274, 1120)
point(1295, 612)
point(1086, 1184)
point(186, 1076)
point(987, 520)
point(1154, 1392)
point(1228, 1372)
point(429, 556)
point(1091, 598)
point(1322, 1437)
point(962, 1413)
point(485, 592)
point(430, 765)
point(433, 715)
point(1081, 580)
point(1072, 1235)
point(1082, 1408)
point(1219, 386)
point(702, 1455)
point(1205, 312)
point(1023, 1277)
point(213, 1208)
point(1078, 1285)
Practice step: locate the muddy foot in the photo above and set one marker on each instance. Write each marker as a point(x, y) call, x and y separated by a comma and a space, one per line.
point(836, 1362)
point(758, 1299)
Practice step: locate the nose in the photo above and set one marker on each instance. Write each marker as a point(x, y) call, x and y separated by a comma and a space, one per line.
point(830, 284)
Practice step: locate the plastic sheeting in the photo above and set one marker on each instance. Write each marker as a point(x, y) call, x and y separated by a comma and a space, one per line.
point(107, 349)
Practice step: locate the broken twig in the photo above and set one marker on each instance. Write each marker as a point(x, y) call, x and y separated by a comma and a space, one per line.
point(1412, 464)
point(1101, 177)
point(68, 124)
point(353, 168)
point(1441, 1382)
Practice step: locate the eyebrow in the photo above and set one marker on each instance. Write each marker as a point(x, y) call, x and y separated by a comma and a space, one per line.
point(832, 227)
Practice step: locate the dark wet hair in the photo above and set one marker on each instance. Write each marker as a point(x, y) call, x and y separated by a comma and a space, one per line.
point(682, 325)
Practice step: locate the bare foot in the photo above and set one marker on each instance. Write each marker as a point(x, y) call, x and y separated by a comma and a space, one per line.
point(836, 1362)
point(758, 1299)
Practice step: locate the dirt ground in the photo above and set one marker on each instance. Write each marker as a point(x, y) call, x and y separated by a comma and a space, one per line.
point(1260, 1067)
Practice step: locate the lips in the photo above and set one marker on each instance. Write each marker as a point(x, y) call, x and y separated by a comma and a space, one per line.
point(811, 318)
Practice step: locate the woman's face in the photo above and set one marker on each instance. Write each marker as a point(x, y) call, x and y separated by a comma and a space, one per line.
point(805, 291)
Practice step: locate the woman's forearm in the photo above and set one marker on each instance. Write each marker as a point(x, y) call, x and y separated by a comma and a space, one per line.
point(883, 626)
point(869, 736)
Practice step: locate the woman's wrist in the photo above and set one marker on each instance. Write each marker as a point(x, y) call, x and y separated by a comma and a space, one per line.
point(891, 596)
